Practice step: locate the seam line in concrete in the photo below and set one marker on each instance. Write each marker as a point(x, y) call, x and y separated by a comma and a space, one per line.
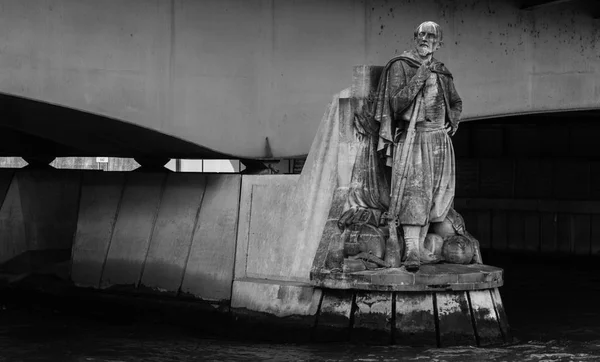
point(112, 229)
point(249, 228)
point(156, 212)
point(76, 224)
point(235, 243)
point(189, 251)
point(12, 178)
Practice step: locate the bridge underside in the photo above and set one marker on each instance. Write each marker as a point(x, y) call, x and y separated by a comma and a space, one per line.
point(33, 128)
point(253, 80)
point(30, 128)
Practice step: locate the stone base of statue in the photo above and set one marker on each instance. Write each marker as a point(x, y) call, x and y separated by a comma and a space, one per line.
point(440, 305)
point(368, 295)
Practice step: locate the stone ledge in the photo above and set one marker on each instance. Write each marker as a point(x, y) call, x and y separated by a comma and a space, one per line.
point(436, 277)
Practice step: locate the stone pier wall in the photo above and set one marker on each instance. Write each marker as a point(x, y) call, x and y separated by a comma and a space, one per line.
point(171, 234)
point(248, 241)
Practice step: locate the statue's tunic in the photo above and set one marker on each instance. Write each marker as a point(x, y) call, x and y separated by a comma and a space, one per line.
point(430, 92)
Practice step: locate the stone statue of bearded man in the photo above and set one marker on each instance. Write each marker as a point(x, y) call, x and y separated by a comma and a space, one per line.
point(416, 86)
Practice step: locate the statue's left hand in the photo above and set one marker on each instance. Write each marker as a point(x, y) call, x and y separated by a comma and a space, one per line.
point(451, 128)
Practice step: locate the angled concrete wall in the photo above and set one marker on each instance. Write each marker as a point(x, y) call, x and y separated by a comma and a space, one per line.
point(12, 225)
point(134, 223)
point(100, 199)
point(50, 202)
point(280, 227)
point(38, 212)
point(168, 233)
point(209, 269)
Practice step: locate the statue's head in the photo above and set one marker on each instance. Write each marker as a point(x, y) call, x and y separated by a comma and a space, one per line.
point(428, 38)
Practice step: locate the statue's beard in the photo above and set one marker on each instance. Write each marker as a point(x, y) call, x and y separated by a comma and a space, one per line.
point(424, 50)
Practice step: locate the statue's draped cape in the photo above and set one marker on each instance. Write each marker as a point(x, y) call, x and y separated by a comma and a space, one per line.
point(389, 128)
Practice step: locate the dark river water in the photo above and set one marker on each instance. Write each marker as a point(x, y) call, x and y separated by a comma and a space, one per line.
point(553, 308)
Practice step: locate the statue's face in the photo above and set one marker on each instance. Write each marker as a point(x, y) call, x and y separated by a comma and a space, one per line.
point(427, 40)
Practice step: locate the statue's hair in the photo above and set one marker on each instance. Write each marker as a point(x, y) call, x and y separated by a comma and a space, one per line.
point(437, 28)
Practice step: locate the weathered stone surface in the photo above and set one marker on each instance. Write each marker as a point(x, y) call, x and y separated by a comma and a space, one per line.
point(481, 274)
point(372, 318)
point(348, 144)
point(333, 321)
point(434, 277)
point(454, 318)
point(365, 78)
point(330, 232)
point(100, 198)
point(502, 318)
point(403, 318)
point(337, 203)
point(486, 320)
point(415, 319)
point(397, 277)
point(279, 298)
point(136, 216)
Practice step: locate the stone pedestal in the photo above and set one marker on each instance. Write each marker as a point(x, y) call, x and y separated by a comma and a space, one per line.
point(441, 305)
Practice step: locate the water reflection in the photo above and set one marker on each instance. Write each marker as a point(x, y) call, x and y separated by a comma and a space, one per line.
point(38, 337)
point(552, 306)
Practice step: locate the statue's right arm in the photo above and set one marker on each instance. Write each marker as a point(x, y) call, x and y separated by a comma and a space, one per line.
point(401, 93)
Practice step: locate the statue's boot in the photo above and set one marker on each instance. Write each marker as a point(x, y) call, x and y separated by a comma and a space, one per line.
point(411, 240)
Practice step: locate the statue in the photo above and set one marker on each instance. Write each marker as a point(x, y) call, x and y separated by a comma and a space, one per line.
point(403, 179)
point(418, 109)
point(392, 210)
